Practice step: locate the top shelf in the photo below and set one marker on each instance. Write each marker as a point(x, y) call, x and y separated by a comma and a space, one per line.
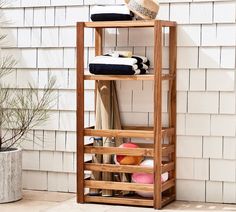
point(126, 24)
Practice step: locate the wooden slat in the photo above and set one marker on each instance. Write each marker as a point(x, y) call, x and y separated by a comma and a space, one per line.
point(122, 151)
point(168, 148)
point(80, 111)
point(120, 200)
point(109, 185)
point(118, 77)
point(117, 168)
point(135, 133)
point(126, 168)
point(157, 113)
point(120, 24)
point(119, 133)
point(147, 77)
point(167, 185)
point(166, 200)
point(167, 167)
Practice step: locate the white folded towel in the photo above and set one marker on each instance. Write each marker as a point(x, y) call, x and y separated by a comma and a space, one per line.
point(119, 9)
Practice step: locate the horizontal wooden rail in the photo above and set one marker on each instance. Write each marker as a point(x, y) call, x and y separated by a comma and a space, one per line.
point(167, 185)
point(127, 133)
point(119, 133)
point(147, 77)
point(166, 149)
point(144, 77)
point(125, 168)
point(118, 186)
point(119, 200)
point(121, 24)
point(117, 168)
point(121, 151)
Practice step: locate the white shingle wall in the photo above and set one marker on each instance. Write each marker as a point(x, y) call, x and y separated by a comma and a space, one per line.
point(42, 38)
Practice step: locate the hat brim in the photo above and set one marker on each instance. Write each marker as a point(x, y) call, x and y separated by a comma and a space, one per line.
point(140, 14)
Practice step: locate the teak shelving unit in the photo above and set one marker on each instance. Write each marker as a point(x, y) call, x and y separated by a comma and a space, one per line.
point(164, 193)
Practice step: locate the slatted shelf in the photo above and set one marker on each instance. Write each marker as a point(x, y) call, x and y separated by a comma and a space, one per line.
point(125, 24)
point(147, 77)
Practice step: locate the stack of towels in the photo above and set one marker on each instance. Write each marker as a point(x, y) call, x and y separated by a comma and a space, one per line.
point(111, 13)
point(119, 64)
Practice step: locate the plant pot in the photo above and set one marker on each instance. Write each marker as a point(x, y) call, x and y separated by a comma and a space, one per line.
point(10, 175)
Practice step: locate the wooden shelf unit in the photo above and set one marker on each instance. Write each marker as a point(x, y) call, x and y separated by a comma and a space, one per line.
point(164, 193)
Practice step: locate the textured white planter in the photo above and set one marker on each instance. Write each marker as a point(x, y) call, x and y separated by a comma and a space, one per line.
point(10, 175)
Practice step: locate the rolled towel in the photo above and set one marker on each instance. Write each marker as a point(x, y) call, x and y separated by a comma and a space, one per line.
point(140, 59)
point(110, 13)
point(111, 69)
point(142, 66)
point(108, 69)
point(118, 65)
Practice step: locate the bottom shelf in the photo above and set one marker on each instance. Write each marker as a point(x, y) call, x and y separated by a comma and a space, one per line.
point(133, 200)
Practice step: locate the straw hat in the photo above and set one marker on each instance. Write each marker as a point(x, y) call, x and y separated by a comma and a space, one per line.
point(146, 9)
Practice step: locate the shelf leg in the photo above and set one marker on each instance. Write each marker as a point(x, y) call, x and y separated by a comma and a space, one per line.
point(80, 112)
point(172, 95)
point(157, 113)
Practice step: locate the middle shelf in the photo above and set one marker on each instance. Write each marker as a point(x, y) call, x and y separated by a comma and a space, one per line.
point(148, 77)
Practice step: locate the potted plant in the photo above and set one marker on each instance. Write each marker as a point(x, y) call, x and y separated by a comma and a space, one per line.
point(20, 111)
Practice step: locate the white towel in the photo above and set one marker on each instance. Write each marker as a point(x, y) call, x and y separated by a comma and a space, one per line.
point(118, 9)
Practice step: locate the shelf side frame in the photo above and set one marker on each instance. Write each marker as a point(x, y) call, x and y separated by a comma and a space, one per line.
point(157, 113)
point(80, 111)
point(172, 95)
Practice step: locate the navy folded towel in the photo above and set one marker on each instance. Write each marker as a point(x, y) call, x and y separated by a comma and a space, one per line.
point(111, 13)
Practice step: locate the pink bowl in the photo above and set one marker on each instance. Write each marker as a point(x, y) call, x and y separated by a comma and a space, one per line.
point(146, 178)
